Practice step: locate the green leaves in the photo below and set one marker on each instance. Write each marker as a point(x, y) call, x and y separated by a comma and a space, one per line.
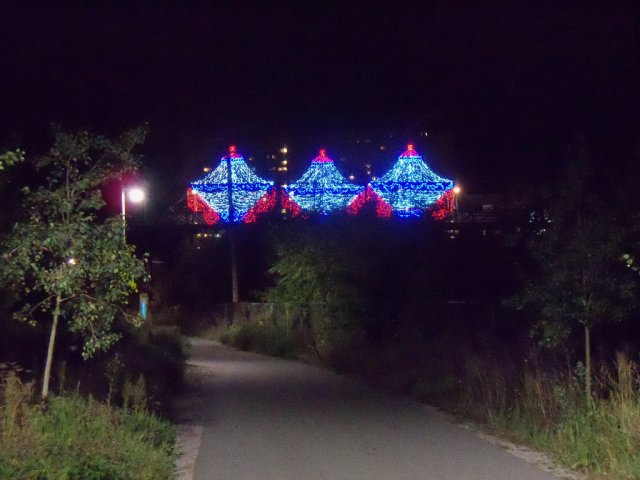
point(60, 248)
point(10, 158)
point(581, 279)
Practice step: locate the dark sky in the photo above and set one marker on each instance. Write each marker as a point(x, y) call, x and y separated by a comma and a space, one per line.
point(507, 85)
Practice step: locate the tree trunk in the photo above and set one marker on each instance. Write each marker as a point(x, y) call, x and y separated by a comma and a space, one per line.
point(587, 363)
point(52, 341)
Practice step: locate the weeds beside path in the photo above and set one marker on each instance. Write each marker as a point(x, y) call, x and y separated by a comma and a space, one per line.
point(78, 438)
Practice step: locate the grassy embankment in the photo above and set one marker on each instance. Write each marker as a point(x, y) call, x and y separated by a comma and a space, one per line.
point(106, 426)
point(551, 413)
point(78, 438)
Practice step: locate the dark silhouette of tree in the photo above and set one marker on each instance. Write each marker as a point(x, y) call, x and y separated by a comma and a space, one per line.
point(580, 281)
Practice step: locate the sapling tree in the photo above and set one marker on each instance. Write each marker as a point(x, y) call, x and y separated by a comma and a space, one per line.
point(320, 267)
point(581, 281)
point(65, 261)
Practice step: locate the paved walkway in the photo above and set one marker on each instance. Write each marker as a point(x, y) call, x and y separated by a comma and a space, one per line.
point(251, 417)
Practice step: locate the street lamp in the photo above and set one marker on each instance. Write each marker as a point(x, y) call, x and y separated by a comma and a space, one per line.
point(456, 192)
point(136, 195)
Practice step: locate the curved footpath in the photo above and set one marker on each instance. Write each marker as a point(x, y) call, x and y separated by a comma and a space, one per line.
point(251, 417)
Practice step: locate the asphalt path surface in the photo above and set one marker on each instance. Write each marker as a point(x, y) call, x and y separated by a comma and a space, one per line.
point(262, 418)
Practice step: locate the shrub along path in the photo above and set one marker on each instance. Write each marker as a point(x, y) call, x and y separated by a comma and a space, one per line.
point(266, 418)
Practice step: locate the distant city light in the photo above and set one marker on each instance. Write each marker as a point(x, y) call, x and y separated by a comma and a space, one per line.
point(284, 150)
point(456, 190)
point(206, 169)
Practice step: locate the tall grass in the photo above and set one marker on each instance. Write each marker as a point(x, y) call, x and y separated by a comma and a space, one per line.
point(549, 411)
point(78, 438)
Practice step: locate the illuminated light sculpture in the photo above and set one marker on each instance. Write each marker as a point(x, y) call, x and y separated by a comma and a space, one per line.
point(383, 209)
point(444, 206)
point(240, 196)
point(198, 205)
point(410, 187)
point(290, 207)
point(266, 203)
point(322, 188)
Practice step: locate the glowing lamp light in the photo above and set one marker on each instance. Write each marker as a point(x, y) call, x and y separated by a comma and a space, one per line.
point(322, 188)
point(136, 194)
point(457, 190)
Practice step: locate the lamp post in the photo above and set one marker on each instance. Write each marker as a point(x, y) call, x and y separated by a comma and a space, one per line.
point(456, 193)
point(136, 195)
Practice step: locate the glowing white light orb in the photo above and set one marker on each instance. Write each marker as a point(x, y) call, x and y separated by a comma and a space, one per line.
point(136, 195)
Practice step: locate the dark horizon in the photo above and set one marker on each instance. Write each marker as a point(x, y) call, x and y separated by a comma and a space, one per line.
point(501, 91)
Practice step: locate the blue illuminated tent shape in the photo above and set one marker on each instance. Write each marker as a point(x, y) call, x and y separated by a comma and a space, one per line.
point(410, 187)
point(322, 188)
point(247, 189)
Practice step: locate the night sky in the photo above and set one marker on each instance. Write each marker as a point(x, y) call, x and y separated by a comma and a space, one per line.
point(502, 89)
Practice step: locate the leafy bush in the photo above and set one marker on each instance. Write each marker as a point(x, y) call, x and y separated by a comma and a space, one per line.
point(262, 337)
point(157, 354)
